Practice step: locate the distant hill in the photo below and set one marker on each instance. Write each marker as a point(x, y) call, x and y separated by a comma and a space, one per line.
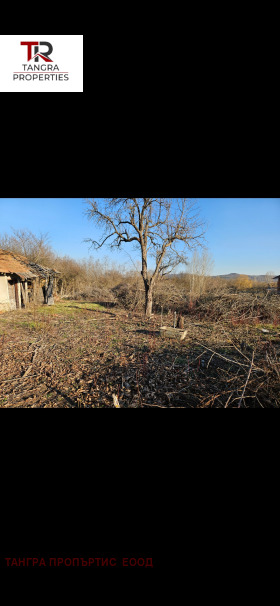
point(232, 276)
point(260, 278)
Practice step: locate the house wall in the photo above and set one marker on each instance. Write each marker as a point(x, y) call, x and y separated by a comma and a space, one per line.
point(16, 293)
point(4, 294)
point(12, 294)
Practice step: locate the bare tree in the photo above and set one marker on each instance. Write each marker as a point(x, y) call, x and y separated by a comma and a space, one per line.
point(24, 242)
point(200, 267)
point(269, 277)
point(162, 228)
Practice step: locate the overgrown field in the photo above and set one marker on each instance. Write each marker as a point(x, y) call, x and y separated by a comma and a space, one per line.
point(80, 354)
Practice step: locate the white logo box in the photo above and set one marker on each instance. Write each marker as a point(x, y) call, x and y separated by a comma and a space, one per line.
point(67, 55)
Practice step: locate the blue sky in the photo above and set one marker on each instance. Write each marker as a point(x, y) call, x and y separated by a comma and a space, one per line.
point(242, 234)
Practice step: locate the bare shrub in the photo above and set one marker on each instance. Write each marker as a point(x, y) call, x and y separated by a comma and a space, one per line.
point(237, 308)
point(92, 293)
point(130, 294)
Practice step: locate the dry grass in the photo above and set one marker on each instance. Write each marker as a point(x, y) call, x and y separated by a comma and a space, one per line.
point(78, 354)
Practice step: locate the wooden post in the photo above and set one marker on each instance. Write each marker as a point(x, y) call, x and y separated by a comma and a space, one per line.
point(180, 321)
point(16, 295)
point(26, 294)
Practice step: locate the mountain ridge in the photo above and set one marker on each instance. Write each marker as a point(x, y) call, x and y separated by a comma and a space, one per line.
point(233, 276)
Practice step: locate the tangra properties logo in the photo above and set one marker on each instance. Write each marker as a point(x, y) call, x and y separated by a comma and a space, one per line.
point(44, 55)
point(39, 65)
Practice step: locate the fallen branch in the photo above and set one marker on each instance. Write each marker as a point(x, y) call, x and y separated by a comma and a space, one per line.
point(248, 376)
point(115, 400)
point(17, 379)
point(224, 358)
point(32, 361)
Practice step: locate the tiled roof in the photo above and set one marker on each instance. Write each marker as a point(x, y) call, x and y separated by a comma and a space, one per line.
point(15, 264)
point(12, 263)
point(42, 271)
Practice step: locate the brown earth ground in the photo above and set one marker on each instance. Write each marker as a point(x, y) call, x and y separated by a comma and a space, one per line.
point(81, 354)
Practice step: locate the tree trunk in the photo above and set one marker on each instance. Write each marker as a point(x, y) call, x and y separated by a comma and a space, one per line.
point(147, 282)
point(148, 300)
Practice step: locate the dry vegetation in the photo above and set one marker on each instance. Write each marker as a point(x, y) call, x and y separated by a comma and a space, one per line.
point(84, 354)
point(95, 349)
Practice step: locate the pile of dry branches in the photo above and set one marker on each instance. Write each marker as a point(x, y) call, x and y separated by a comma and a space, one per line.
point(167, 296)
point(237, 308)
point(245, 378)
point(130, 295)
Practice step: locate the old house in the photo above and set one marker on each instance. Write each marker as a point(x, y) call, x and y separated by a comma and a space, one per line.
point(22, 282)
